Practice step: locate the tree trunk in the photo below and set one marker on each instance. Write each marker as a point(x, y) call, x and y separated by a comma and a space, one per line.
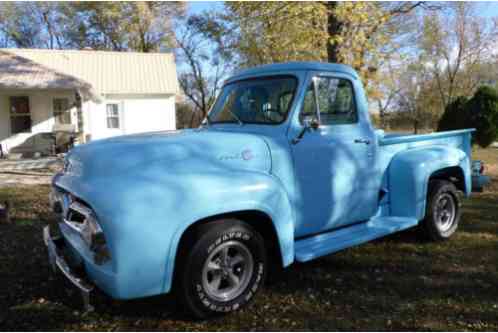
point(333, 28)
point(191, 124)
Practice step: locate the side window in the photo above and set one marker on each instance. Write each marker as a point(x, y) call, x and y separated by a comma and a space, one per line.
point(284, 101)
point(336, 101)
point(309, 107)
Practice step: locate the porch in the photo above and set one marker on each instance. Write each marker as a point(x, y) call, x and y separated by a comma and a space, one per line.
point(40, 108)
point(38, 122)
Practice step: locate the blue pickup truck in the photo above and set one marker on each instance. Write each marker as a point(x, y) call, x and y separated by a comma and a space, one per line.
point(286, 168)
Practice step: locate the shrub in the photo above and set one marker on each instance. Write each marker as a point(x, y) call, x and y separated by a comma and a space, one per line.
point(455, 115)
point(482, 111)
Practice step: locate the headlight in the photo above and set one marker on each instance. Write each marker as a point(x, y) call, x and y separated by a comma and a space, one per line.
point(83, 220)
point(90, 230)
point(96, 240)
point(55, 202)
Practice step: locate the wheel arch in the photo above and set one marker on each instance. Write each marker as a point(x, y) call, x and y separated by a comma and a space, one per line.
point(276, 228)
point(411, 170)
point(453, 174)
point(257, 219)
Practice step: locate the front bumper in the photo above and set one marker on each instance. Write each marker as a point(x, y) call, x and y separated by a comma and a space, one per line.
point(58, 263)
point(136, 265)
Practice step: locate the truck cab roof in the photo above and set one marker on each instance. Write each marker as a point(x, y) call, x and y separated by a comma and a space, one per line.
point(293, 66)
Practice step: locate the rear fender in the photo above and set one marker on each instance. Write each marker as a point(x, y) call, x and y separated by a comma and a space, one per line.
point(409, 173)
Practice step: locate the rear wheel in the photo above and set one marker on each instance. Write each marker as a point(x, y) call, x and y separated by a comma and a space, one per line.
point(223, 268)
point(442, 210)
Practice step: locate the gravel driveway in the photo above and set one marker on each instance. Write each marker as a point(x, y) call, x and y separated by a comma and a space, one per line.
point(28, 171)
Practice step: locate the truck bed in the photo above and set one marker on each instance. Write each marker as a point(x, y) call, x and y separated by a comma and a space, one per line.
point(391, 143)
point(395, 138)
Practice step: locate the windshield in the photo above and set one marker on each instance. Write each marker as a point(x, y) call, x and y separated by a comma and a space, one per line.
point(256, 101)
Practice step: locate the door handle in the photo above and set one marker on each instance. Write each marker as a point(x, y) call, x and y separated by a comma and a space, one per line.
point(365, 141)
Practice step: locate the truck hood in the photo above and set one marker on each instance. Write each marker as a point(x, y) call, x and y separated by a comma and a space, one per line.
point(177, 152)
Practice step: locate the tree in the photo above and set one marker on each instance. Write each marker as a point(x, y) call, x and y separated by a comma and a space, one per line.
point(366, 34)
point(31, 24)
point(414, 99)
point(455, 115)
point(483, 115)
point(454, 44)
point(201, 70)
point(118, 26)
point(186, 116)
point(388, 92)
point(361, 34)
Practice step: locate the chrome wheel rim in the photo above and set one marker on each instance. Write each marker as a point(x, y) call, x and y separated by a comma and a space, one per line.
point(227, 271)
point(445, 212)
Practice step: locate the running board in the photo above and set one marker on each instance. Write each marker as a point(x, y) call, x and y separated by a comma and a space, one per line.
point(333, 241)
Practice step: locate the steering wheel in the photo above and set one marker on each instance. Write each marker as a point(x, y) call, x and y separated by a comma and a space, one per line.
point(271, 111)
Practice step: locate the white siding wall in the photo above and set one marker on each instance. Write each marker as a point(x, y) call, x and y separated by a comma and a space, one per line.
point(42, 120)
point(138, 114)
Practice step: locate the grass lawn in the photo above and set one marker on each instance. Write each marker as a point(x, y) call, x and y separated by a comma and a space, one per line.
point(397, 283)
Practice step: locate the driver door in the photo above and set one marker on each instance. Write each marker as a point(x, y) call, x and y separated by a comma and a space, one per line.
point(331, 165)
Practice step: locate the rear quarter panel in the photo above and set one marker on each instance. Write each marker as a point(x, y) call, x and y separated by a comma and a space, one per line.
point(407, 163)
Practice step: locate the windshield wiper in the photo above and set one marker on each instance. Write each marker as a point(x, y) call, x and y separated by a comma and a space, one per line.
point(236, 117)
point(208, 121)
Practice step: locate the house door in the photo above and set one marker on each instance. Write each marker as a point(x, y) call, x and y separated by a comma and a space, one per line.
point(20, 116)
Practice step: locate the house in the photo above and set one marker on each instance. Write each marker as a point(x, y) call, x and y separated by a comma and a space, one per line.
point(95, 94)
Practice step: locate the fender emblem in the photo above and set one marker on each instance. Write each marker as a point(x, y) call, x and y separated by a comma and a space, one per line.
point(247, 155)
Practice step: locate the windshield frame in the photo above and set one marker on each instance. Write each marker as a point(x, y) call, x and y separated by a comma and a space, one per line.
point(258, 78)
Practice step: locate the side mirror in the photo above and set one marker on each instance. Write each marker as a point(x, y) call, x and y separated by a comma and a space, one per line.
point(310, 123)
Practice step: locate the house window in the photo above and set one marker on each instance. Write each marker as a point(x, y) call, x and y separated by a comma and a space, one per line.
point(20, 117)
point(62, 112)
point(113, 115)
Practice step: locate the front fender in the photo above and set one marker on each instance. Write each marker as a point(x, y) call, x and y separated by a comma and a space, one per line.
point(144, 217)
point(240, 191)
point(409, 173)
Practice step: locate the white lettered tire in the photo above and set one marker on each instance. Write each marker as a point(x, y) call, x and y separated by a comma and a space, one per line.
point(443, 211)
point(223, 268)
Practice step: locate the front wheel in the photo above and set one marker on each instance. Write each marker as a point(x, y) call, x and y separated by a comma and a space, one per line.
point(223, 269)
point(442, 210)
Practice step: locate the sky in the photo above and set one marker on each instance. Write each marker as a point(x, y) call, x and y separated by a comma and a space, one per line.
point(197, 7)
point(488, 9)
